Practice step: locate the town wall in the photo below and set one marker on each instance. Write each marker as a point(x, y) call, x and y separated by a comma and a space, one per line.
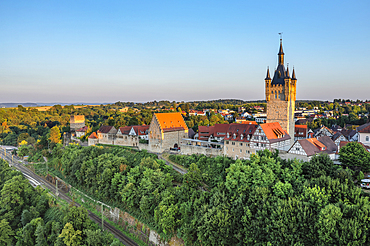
point(194, 149)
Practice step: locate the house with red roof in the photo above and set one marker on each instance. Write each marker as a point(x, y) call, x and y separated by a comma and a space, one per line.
point(364, 134)
point(270, 136)
point(312, 146)
point(92, 139)
point(107, 134)
point(300, 132)
point(238, 139)
point(167, 131)
point(81, 132)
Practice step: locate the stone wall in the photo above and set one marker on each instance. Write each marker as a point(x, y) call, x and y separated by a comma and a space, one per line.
point(192, 149)
point(126, 140)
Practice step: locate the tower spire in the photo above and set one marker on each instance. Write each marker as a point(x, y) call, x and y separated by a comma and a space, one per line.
point(293, 75)
point(281, 52)
point(268, 74)
point(287, 71)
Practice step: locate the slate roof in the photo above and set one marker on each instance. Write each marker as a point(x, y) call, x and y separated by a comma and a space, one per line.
point(348, 133)
point(331, 147)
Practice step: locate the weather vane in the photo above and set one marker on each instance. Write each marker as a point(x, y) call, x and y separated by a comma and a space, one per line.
point(281, 35)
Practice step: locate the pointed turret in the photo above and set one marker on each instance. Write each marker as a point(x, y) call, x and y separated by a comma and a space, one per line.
point(281, 53)
point(268, 74)
point(287, 75)
point(293, 75)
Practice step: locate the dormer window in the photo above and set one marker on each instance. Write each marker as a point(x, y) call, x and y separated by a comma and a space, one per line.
point(234, 135)
point(228, 135)
point(248, 137)
point(241, 136)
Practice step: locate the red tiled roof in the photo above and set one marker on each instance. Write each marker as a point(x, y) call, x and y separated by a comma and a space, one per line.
point(141, 130)
point(241, 132)
point(248, 122)
point(364, 128)
point(125, 130)
point(82, 129)
point(168, 121)
point(205, 132)
point(105, 129)
point(93, 135)
point(273, 130)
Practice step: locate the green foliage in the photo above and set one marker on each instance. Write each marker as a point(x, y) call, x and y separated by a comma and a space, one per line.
point(318, 165)
point(354, 154)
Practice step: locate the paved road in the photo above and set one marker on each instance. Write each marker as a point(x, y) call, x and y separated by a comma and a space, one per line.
point(37, 180)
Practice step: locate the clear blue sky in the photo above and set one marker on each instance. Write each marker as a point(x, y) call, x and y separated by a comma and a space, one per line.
point(108, 51)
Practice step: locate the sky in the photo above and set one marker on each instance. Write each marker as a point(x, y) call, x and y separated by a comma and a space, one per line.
point(109, 51)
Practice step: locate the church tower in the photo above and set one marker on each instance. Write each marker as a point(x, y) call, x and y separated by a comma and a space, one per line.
point(281, 95)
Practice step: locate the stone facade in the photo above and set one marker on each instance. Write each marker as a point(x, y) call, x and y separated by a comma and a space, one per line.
point(166, 131)
point(238, 150)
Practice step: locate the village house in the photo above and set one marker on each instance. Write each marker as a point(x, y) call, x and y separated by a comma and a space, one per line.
point(270, 136)
point(92, 139)
point(323, 131)
point(166, 131)
point(81, 132)
point(216, 132)
point(311, 146)
point(106, 134)
point(237, 141)
point(300, 132)
point(364, 134)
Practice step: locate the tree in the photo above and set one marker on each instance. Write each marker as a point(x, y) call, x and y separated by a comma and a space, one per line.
point(318, 165)
point(71, 236)
point(6, 233)
point(354, 154)
point(55, 135)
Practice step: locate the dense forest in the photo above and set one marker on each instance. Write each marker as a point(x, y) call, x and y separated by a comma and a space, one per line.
point(30, 217)
point(261, 201)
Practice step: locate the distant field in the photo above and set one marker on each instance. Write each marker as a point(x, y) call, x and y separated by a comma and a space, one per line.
point(48, 107)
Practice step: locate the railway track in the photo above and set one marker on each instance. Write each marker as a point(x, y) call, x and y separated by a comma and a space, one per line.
point(34, 177)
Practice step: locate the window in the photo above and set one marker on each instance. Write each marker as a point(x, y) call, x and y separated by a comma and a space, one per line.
point(297, 149)
point(256, 144)
point(233, 143)
point(367, 138)
point(227, 142)
point(247, 151)
point(255, 137)
point(300, 133)
point(233, 150)
point(240, 151)
point(241, 144)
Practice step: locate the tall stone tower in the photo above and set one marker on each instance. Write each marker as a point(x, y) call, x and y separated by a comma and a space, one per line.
point(281, 95)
